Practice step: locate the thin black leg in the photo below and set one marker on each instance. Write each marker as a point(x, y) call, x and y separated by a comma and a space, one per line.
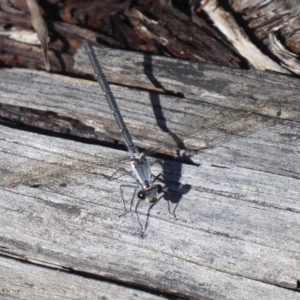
point(157, 177)
point(133, 196)
point(148, 215)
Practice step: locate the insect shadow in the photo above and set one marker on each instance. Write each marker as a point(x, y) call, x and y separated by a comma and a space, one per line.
point(175, 190)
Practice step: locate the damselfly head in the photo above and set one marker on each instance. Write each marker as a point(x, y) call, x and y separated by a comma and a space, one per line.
point(150, 194)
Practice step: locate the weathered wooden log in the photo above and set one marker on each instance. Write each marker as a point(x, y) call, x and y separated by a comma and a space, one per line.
point(235, 234)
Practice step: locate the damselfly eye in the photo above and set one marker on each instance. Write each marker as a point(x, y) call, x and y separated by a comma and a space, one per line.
point(159, 188)
point(141, 195)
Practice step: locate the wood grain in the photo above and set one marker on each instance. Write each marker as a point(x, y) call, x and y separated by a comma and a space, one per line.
point(230, 227)
point(237, 216)
point(30, 282)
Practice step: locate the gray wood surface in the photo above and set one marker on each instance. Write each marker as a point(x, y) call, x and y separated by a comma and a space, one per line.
point(25, 281)
point(235, 234)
